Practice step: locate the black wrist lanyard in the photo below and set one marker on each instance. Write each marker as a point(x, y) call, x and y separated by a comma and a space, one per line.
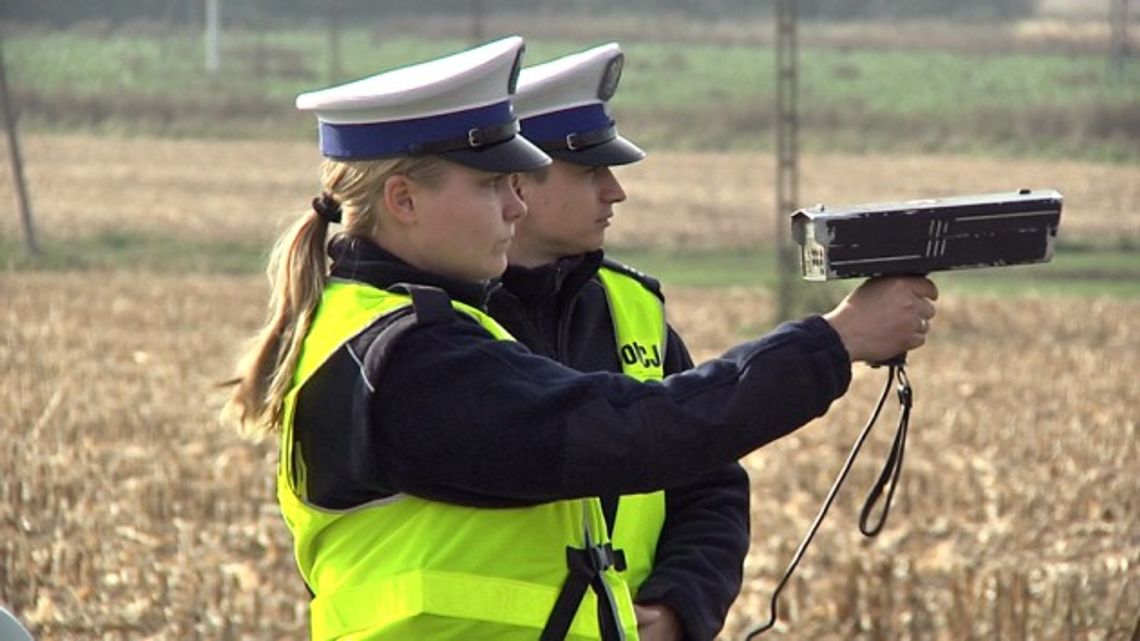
point(891, 470)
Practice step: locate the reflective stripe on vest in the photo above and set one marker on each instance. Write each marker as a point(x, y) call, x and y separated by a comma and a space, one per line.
point(639, 327)
point(409, 568)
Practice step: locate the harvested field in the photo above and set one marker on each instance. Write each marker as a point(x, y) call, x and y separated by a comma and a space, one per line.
point(246, 191)
point(1019, 511)
point(127, 512)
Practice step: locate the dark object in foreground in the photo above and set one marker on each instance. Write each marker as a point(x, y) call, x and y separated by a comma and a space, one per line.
point(923, 236)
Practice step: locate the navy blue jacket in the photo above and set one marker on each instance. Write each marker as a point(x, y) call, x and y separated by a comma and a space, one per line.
point(457, 416)
point(560, 310)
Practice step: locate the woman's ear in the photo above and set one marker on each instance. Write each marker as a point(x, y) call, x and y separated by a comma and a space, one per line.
point(399, 200)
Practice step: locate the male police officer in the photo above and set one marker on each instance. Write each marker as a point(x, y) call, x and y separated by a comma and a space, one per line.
point(683, 547)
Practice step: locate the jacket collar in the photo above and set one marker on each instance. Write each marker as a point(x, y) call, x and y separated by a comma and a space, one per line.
point(363, 261)
point(563, 278)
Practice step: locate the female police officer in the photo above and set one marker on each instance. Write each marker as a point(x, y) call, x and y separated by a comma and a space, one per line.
point(407, 416)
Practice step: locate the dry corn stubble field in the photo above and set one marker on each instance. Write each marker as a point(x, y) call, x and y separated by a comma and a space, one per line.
point(127, 512)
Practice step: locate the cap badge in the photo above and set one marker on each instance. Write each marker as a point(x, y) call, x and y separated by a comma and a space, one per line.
point(608, 86)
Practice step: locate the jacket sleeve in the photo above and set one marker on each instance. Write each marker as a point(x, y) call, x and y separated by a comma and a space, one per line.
point(698, 569)
point(462, 418)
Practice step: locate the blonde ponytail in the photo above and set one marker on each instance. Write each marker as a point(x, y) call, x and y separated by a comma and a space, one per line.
point(298, 273)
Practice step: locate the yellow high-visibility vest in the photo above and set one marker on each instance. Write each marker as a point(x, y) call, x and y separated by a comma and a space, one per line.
point(404, 567)
point(639, 326)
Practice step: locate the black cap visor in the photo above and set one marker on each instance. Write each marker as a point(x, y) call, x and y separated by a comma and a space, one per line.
point(511, 155)
point(615, 151)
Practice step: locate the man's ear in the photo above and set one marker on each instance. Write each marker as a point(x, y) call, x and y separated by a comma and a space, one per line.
point(399, 198)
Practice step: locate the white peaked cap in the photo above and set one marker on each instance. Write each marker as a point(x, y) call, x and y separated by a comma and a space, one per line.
point(457, 107)
point(563, 107)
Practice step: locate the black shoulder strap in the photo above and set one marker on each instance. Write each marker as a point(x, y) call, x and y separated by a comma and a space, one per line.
point(432, 305)
point(649, 282)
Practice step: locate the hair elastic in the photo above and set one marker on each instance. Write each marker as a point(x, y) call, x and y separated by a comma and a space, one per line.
point(327, 207)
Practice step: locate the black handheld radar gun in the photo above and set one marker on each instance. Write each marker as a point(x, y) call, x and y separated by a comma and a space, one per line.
point(913, 237)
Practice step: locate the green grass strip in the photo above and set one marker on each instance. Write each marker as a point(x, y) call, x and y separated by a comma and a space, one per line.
point(1074, 270)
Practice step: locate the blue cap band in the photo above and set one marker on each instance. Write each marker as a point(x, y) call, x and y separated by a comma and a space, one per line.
point(402, 137)
point(557, 125)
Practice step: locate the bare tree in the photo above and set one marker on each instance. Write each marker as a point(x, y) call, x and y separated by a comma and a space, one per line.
point(17, 160)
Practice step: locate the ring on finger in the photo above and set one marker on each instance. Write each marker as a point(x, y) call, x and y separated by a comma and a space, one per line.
point(923, 325)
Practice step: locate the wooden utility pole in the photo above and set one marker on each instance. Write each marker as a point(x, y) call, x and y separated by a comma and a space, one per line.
point(1118, 46)
point(260, 26)
point(17, 161)
point(213, 57)
point(477, 19)
point(336, 69)
point(787, 152)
